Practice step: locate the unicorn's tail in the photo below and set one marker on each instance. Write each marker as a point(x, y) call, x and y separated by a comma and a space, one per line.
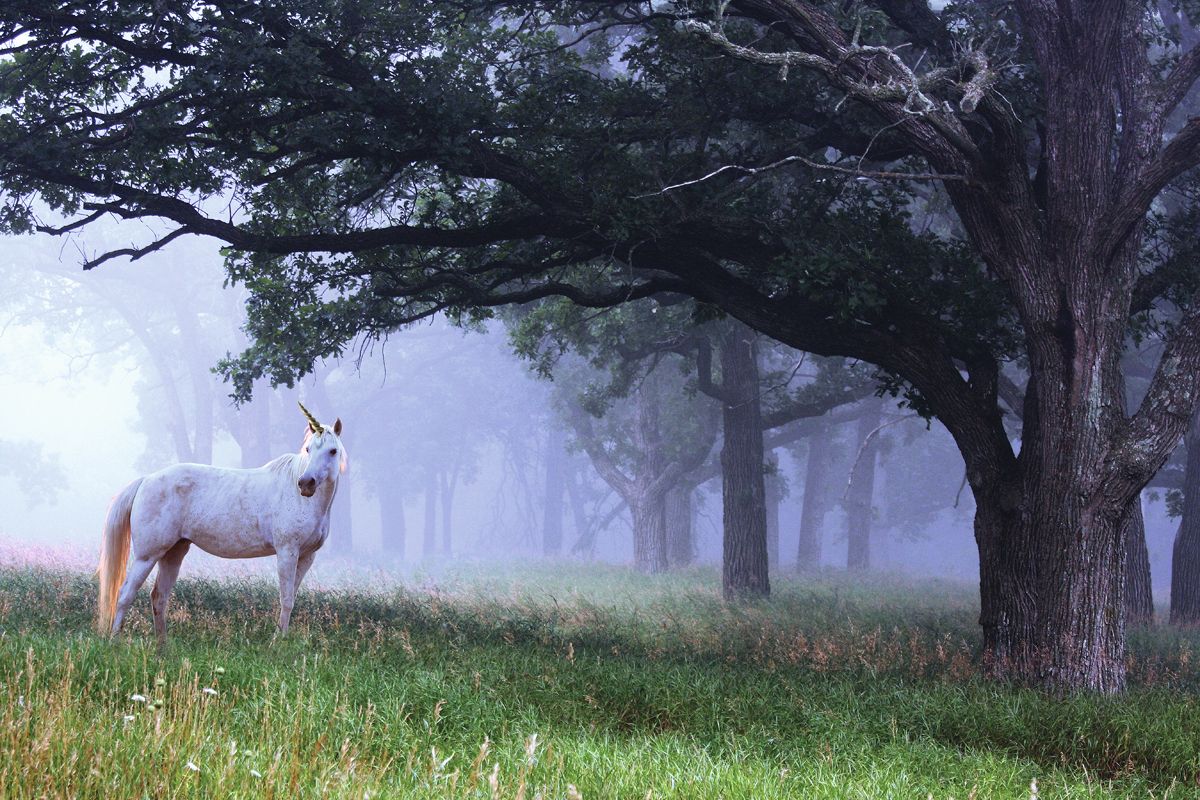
point(114, 553)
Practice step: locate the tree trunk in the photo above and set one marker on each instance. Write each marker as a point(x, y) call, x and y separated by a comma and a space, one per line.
point(645, 493)
point(391, 521)
point(552, 514)
point(1139, 597)
point(649, 514)
point(1074, 523)
point(773, 486)
point(861, 496)
point(815, 503)
point(1185, 555)
point(585, 528)
point(429, 543)
point(449, 481)
point(341, 530)
point(744, 563)
point(681, 546)
point(1008, 601)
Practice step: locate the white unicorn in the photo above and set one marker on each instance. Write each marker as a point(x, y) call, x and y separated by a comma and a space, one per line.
point(281, 509)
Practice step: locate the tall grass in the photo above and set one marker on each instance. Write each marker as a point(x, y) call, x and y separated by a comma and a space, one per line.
point(562, 681)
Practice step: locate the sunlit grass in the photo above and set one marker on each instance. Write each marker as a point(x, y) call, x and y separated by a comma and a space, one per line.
point(562, 680)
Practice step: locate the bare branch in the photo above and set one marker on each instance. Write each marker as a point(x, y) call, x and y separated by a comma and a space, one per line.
point(135, 253)
point(856, 173)
point(863, 447)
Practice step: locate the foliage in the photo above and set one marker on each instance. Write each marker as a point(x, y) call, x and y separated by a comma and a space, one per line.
point(399, 159)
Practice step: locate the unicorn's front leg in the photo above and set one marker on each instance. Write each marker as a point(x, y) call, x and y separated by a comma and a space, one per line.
point(286, 561)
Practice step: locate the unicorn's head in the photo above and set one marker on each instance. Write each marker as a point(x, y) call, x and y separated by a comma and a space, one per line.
point(326, 456)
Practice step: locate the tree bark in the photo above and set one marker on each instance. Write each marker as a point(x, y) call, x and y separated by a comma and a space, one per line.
point(1185, 555)
point(745, 562)
point(861, 493)
point(681, 545)
point(1139, 597)
point(815, 503)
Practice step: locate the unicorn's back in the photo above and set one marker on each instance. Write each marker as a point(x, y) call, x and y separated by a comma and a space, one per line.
point(232, 513)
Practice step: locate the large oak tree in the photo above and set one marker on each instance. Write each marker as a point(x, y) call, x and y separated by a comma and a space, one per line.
point(378, 161)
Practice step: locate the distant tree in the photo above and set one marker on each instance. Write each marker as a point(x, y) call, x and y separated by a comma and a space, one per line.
point(815, 500)
point(1185, 554)
point(644, 453)
point(39, 475)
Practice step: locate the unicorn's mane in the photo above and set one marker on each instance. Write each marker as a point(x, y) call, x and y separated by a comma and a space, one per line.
point(294, 464)
point(291, 465)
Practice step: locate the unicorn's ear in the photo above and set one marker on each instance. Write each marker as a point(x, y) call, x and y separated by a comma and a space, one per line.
point(337, 427)
point(308, 429)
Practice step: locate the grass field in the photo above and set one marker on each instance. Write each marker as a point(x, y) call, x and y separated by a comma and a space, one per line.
point(563, 681)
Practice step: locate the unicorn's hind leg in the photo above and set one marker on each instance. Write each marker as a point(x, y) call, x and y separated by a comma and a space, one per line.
point(139, 570)
point(168, 571)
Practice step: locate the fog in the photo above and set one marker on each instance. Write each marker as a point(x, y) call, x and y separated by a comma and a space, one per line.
point(106, 376)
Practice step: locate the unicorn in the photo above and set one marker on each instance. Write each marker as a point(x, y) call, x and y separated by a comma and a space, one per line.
point(281, 509)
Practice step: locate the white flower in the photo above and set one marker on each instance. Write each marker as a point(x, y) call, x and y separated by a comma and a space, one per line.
point(256, 773)
point(138, 698)
point(21, 700)
point(209, 690)
point(129, 717)
point(191, 766)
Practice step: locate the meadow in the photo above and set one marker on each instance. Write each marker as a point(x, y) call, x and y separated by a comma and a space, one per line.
point(563, 681)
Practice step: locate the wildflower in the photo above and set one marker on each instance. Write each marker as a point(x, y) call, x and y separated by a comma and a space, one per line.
point(21, 700)
point(219, 670)
point(209, 690)
point(138, 698)
point(191, 766)
point(129, 718)
point(256, 773)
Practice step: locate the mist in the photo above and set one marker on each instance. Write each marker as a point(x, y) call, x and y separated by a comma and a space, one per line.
point(107, 375)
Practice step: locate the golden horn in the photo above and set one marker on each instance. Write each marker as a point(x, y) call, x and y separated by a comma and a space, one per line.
point(316, 426)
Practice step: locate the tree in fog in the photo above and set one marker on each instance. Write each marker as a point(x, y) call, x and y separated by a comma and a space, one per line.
point(408, 158)
point(176, 322)
point(429, 405)
point(642, 440)
point(721, 359)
